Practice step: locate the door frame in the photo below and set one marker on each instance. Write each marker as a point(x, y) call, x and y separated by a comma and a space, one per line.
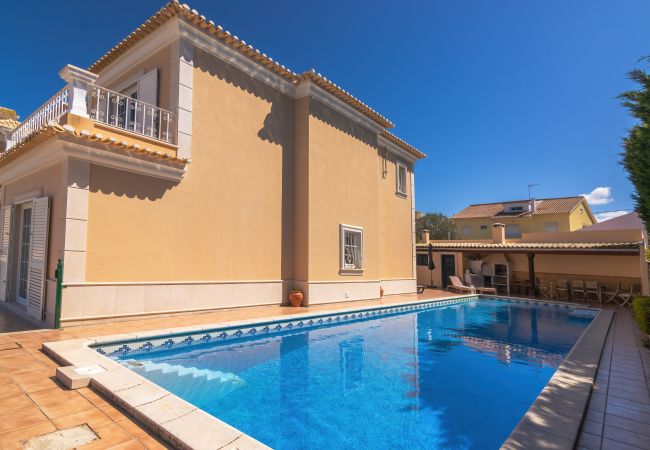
point(444, 277)
point(20, 209)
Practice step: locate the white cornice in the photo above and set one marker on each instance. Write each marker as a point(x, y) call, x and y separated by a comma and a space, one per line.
point(395, 149)
point(103, 155)
point(242, 62)
point(58, 148)
point(307, 88)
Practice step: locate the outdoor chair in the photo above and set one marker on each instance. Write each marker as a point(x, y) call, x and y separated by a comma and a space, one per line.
point(625, 298)
point(562, 289)
point(421, 289)
point(544, 288)
point(578, 290)
point(458, 286)
point(611, 295)
point(592, 290)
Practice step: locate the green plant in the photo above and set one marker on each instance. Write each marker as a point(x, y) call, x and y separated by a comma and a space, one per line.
point(641, 307)
point(296, 290)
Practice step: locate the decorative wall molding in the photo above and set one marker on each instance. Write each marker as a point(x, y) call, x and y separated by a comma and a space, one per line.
point(396, 150)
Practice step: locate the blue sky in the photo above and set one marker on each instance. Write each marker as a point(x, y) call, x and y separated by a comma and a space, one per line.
point(497, 93)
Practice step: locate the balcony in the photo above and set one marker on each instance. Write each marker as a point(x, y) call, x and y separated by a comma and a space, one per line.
point(118, 112)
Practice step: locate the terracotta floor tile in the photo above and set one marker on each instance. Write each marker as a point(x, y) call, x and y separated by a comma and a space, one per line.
point(132, 428)
point(114, 413)
point(21, 418)
point(54, 395)
point(9, 390)
point(67, 407)
point(11, 439)
point(40, 385)
point(93, 397)
point(130, 445)
point(152, 443)
point(93, 417)
point(5, 379)
point(15, 402)
point(110, 435)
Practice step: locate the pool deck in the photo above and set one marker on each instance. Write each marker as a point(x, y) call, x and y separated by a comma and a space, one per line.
point(32, 403)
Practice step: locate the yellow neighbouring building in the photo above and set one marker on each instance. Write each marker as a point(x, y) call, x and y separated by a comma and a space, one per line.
point(549, 215)
point(185, 170)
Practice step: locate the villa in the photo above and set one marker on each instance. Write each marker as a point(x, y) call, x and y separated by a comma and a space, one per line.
point(186, 170)
point(157, 212)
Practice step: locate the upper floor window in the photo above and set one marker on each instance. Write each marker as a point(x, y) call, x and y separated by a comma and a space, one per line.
point(513, 231)
point(483, 227)
point(402, 177)
point(466, 230)
point(351, 249)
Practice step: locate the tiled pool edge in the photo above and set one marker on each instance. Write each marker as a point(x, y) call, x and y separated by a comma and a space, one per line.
point(174, 420)
point(554, 419)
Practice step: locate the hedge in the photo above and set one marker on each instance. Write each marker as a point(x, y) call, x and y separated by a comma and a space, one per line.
point(641, 307)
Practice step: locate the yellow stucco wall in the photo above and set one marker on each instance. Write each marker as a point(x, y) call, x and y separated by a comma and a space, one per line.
point(224, 220)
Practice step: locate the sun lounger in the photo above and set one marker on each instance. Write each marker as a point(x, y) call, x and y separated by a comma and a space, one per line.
point(592, 290)
point(562, 289)
point(458, 286)
point(578, 289)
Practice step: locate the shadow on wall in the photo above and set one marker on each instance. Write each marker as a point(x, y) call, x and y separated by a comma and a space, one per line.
point(128, 184)
point(342, 123)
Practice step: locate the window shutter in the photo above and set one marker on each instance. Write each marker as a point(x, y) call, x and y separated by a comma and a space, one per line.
point(148, 87)
point(38, 258)
point(5, 240)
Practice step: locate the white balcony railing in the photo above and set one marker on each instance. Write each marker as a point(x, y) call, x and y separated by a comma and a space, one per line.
point(83, 98)
point(52, 110)
point(130, 114)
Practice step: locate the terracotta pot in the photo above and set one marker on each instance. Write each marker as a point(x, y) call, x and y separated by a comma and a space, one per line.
point(296, 298)
point(381, 292)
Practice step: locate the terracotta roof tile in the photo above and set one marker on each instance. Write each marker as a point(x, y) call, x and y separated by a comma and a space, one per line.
point(543, 206)
point(533, 245)
point(175, 9)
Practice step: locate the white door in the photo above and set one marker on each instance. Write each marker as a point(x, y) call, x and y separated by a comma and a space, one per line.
point(24, 251)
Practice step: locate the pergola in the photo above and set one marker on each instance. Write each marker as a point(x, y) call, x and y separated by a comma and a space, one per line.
point(530, 249)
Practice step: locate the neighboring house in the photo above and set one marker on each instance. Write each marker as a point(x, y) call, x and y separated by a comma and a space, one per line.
point(524, 216)
point(186, 170)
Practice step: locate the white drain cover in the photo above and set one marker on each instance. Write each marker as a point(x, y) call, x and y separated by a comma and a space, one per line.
point(61, 440)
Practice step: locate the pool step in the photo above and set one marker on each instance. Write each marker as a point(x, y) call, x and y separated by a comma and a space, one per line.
point(187, 381)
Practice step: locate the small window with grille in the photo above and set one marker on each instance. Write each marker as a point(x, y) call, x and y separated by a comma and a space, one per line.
point(402, 177)
point(351, 249)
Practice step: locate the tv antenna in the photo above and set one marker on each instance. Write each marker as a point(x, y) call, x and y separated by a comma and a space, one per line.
point(530, 186)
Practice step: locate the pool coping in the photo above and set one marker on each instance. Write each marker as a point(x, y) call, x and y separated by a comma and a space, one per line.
point(180, 423)
point(554, 419)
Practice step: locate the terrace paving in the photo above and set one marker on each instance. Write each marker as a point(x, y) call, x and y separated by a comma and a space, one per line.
point(618, 413)
point(33, 403)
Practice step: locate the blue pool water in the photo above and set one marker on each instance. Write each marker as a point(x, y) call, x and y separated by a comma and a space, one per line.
point(458, 376)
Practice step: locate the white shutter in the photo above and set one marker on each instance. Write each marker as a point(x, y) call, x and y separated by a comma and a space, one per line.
point(148, 87)
point(5, 239)
point(38, 258)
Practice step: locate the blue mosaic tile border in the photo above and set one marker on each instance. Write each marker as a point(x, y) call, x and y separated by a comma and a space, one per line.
point(168, 342)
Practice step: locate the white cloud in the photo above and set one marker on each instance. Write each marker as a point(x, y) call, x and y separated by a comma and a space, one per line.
point(599, 196)
point(603, 216)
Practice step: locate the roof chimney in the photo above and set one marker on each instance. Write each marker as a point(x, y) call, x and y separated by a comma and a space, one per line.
point(533, 205)
point(425, 236)
point(498, 233)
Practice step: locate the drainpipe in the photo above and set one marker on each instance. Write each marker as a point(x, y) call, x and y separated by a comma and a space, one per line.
point(531, 274)
point(59, 292)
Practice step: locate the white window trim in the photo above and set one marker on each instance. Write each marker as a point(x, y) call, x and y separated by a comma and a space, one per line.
point(342, 269)
point(400, 165)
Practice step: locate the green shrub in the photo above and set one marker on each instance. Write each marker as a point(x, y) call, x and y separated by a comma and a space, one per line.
point(641, 307)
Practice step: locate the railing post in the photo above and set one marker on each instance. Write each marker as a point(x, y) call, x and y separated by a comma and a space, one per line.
point(59, 294)
point(78, 80)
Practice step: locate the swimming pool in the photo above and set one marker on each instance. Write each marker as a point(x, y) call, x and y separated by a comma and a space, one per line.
point(459, 375)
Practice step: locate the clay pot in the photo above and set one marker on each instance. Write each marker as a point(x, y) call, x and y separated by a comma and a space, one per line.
point(296, 298)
